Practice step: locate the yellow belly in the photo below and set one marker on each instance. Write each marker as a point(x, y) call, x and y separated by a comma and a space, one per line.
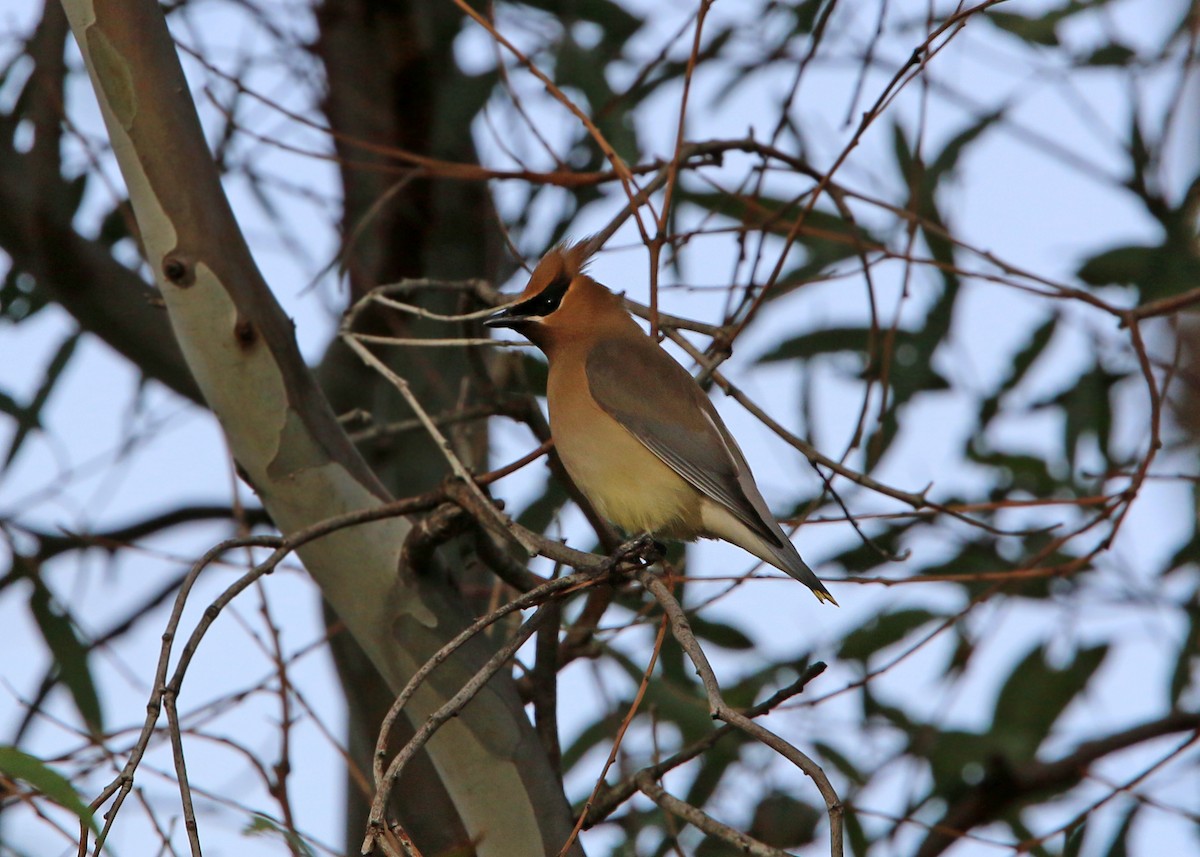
point(624, 480)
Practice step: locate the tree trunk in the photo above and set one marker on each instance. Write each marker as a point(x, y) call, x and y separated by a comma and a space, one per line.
point(240, 348)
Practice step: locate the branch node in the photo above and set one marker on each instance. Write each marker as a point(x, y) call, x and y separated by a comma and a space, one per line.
point(178, 270)
point(431, 532)
point(245, 333)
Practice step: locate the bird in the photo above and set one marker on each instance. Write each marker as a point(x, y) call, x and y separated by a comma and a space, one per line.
point(636, 433)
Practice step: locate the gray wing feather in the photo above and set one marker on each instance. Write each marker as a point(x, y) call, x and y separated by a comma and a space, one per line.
point(659, 403)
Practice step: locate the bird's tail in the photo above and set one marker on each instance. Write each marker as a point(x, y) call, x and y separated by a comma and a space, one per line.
point(786, 558)
point(767, 541)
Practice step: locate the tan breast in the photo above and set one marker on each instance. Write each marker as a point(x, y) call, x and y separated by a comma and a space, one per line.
point(626, 482)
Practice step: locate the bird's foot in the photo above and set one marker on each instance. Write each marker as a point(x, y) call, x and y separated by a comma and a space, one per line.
point(641, 552)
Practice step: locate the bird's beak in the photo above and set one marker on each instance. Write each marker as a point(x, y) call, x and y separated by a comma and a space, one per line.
point(509, 316)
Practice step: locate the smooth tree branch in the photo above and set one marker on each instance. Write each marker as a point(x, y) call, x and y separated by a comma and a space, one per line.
point(240, 348)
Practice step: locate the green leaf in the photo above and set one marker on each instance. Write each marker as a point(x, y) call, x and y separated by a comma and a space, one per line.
point(1189, 655)
point(784, 822)
point(9, 405)
point(973, 558)
point(883, 631)
point(616, 22)
point(583, 69)
point(1024, 834)
point(721, 634)
point(864, 557)
point(670, 70)
point(1041, 29)
point(1074, 844)
point(1018, 367)
point(951, 753)
point(70, 654)
point(964, 650)
point(260, 825)
point(828, 341)
point(677, 699)
point(905, 163)
point(715, 763)
point(873, 707)
point(1123, 266)
point(905, 367)
point(596, 733)
point(1035, 695)
point(1112, 54)
point(752, 687)
point(856, 835)
point(1018, 473)
point(1140, 157)
point(1119, 846)
point(825, 237)
point(805, 13)
point(946, 162)
point(1088, 410)
point(1157, 271)
point(759, 211)
point(30, 418)
point(1187, 557)
point(538, 514)
point(18, 765)
point(912, 368)
point(845, 767)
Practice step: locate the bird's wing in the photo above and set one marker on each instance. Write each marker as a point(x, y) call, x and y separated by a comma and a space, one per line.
point(660, 404)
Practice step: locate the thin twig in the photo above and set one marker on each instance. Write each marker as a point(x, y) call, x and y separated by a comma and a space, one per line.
point(719, 710)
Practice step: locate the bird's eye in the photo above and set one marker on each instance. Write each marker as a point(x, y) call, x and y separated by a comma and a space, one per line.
point(548, 300)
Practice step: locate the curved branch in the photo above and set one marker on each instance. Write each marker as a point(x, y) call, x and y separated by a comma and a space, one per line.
point(721, 711)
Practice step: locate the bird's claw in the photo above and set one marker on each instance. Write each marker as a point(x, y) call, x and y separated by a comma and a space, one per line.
point(640, 552)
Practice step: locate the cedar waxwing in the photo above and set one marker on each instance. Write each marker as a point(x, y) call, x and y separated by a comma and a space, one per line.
point(634, 430)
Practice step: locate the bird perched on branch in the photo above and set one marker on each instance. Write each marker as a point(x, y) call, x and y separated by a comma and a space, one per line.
point(634, 430)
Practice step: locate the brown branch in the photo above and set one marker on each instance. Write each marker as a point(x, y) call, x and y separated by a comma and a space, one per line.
point(815, 456)
point(701, 820)
point(626, 722)
point(613, 796)
point(1162, 306)
point(722, 711)
point(123, 784)
point(952, 25)
point(51, 545)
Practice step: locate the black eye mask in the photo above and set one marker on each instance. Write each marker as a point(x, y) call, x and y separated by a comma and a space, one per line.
point(547, 300)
